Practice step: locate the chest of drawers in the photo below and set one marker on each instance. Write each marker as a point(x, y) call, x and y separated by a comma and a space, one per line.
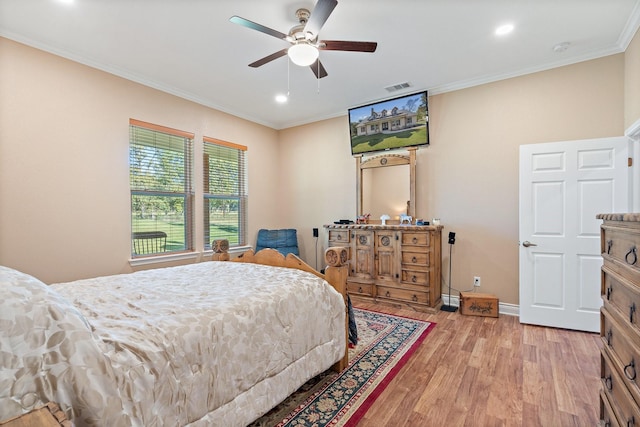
point(620, 326)
point(392, 263)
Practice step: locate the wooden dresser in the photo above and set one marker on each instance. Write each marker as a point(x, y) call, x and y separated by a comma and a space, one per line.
point(392, 263)
point(620, 322)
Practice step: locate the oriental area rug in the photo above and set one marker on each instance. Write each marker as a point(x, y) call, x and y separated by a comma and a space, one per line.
point(385, 343)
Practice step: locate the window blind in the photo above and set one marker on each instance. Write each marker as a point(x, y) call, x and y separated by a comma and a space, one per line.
point(160, 175)
point(225, 192)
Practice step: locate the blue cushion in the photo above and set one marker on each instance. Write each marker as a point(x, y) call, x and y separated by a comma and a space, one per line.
point(285, 240)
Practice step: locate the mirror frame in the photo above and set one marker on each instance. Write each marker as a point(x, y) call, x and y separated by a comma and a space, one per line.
point(385, 160)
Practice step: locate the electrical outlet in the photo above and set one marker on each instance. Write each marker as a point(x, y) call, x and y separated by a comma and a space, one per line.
point(315, 232)
point(476, 280)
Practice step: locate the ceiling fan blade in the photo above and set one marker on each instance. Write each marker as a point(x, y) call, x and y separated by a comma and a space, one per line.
point(269, 58)
point(348, 46)
point(318, 69)
point(258, 27)
point(319, 16)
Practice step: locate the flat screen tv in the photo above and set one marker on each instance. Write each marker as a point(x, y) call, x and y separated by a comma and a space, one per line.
point(390, 124)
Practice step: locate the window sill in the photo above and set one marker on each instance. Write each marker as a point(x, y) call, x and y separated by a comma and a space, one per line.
point(160, 259)
point(135, 262)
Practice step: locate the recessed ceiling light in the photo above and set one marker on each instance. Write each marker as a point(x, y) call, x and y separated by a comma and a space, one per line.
point(281, 98)
point(504, 29)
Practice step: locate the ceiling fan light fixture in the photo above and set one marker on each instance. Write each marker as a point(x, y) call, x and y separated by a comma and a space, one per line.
point(303, 54)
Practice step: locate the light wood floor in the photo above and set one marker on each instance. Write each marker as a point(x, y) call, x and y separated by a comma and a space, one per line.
point(478, 371)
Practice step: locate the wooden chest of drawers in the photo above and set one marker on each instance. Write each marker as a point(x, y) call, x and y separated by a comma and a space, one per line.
point(620, 326)
point(392, 263)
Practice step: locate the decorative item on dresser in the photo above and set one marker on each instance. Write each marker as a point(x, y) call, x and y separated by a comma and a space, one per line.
point(620, 326)
point(392, 263)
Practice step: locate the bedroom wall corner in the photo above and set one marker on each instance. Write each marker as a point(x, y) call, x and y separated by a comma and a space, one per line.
point(317, 177)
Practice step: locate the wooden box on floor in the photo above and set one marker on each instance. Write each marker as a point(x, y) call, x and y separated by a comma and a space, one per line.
point(474, 304)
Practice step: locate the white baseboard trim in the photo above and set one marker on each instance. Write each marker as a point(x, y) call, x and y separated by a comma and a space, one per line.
point(503, 308)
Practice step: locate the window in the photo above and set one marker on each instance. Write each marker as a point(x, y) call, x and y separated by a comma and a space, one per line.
point(225, 192)
point(160, 169)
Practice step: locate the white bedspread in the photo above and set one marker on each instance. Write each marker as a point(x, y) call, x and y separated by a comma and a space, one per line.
point(213, 343)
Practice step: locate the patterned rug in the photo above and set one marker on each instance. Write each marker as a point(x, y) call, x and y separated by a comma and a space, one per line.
point(385, 344)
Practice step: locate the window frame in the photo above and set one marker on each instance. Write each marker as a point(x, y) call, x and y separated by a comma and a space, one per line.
point(187, 194)
point(241, 196)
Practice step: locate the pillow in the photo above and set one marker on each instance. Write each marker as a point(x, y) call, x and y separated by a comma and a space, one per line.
point(48, 353)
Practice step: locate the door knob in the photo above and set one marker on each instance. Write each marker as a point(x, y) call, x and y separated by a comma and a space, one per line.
point(527, 243)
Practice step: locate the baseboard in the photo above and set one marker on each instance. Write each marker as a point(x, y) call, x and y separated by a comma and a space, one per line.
point(503, 308)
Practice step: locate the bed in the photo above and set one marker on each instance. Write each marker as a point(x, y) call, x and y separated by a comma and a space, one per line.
point(205, 344)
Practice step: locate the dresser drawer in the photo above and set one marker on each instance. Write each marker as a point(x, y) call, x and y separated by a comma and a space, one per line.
point(623, 349)
point(621, 245)
point(364, 289)
point(338, 236)
point(415, 277)
point(621, 296)
point(607, 415)
point(417, 258)
point(420, 239)
point(403, 294)
point(622, 404)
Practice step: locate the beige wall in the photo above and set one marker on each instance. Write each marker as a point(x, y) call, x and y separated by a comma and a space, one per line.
point(64, 202)
point(632, 82)
point(64, 179)
point(468, 177)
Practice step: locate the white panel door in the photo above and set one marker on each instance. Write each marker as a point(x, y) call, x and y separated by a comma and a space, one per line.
point(563, 186)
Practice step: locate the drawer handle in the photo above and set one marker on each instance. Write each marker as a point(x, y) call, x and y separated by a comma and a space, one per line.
point(634, 256)
point(631, 422)
point(632, 310)
point(630, 370)
point(609, 290)
point(608, 382)
point(607, 423)
point(609, 337)
point(338, 237)
point(414, 260)
point(414, 298)
point(387, 294)
point(414, 279)
point(415, 240)
point(609, 244)
point(360, 290)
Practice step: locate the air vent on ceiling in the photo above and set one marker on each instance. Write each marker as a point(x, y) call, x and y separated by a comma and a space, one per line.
point(399, 86)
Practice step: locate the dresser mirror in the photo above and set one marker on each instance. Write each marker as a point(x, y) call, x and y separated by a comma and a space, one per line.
point(385, 191)
point(386, 185)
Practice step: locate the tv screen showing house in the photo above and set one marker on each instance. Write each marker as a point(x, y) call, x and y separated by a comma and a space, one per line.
point(390, 124)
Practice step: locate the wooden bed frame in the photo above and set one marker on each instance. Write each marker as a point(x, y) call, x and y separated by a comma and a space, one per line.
point(335, 273)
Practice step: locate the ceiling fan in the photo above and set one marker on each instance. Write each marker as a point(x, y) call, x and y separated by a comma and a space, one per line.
point(305, 45)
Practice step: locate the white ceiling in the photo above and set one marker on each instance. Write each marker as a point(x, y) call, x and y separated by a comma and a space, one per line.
point(190, 48)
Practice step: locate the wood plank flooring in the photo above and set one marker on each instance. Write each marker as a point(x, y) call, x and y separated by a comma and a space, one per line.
point(478, 371)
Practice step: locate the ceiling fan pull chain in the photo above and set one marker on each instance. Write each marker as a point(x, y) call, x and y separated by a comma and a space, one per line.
point(288, 76)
